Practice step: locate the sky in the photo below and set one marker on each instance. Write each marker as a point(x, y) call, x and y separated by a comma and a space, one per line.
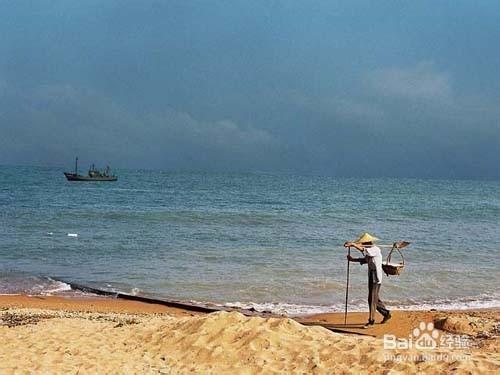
point(341, 88)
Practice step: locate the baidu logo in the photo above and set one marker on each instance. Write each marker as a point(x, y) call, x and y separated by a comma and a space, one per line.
point(424, 337)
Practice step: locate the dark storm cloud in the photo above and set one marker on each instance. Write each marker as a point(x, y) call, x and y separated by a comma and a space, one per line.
point(58, 118)
point(337, 88)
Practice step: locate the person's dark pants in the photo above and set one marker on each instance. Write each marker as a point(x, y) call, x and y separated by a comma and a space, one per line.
point(374, 301)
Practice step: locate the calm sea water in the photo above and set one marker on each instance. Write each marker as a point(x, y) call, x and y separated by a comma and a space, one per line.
point(264, 240)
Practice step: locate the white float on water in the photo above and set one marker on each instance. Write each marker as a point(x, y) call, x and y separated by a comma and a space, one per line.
point(72, 234)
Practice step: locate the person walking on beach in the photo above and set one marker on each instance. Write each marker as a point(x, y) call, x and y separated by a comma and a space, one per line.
point(372, 257)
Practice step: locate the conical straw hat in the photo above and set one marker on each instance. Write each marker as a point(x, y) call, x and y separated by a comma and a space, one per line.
point(366, 237)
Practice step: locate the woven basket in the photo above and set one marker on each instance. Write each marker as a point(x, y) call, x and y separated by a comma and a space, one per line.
point(393, 268)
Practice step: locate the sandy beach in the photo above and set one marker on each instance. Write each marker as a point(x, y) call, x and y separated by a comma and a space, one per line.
point(249, 187)
point(61, 335)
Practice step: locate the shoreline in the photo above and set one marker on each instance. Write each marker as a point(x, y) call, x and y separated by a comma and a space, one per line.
point(92, 294)
point(54, 334)
point(401, 325)
point(87, 304)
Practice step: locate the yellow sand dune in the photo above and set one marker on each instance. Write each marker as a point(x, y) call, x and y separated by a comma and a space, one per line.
point(76, 342)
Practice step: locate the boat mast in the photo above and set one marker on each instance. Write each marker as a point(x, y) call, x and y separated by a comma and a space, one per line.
point(76, 165)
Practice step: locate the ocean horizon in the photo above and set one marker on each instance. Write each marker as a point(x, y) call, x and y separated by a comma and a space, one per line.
point(271, 241)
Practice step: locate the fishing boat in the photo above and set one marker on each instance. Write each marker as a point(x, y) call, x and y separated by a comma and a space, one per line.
point(93, 174)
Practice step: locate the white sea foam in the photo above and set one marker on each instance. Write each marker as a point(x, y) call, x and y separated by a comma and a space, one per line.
point(55, 287)
point(135, 291)
point(297, 309)
point(19, 283)
point(454, 305)
point(281, 308)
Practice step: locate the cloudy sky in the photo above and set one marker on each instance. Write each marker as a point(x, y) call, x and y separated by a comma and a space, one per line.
point(371, 88)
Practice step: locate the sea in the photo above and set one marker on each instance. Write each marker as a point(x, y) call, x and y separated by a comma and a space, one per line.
point(272, 242)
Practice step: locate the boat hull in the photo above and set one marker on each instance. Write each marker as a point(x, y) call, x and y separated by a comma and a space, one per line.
point(78, 177)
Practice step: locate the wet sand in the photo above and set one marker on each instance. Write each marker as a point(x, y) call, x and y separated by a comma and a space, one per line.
point(85, 304)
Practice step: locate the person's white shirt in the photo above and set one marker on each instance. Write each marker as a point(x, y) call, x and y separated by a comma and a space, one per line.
point(373, 256)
